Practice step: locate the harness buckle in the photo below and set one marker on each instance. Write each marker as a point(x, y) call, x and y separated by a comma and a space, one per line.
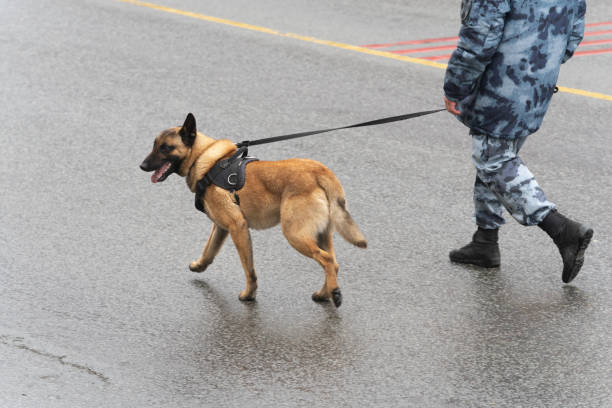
point(232, 179)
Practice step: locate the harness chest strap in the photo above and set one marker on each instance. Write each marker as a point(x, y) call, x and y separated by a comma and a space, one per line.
point(228, 174)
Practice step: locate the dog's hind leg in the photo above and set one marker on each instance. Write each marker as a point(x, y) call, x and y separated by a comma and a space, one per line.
point(309, 248)
point(305, 223)
point(214, 244)
point(324, 242)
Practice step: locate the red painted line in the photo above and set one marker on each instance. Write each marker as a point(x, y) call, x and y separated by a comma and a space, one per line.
point(437, 57)
point(596, 42)
point(600, 32)
point(413, 50)
point(413, 42)
point(577, 53)
point(599, 24)
point(448, 39)
point(592, 52)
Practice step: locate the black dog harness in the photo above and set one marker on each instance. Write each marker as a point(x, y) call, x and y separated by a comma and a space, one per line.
point(228, 174)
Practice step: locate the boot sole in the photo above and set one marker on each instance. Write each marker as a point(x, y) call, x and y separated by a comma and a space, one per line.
point(475, 262)
point(579, 260)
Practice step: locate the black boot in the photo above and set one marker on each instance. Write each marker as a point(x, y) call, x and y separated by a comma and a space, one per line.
point(482, 251)
point(571, 238)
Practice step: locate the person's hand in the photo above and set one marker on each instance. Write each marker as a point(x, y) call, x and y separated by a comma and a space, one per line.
point(451, 106)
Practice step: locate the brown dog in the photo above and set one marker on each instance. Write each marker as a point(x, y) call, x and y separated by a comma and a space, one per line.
point(303, 195)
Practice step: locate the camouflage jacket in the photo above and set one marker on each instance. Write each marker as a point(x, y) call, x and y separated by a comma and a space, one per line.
point(507, 61)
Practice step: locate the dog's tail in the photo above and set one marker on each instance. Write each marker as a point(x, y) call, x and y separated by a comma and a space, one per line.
point(340, 217)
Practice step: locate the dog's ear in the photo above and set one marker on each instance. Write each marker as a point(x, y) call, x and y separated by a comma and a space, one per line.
point(188, 131)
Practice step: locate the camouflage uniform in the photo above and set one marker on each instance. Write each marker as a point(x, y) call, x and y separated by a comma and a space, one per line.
point(502, 180)
point(502, 76)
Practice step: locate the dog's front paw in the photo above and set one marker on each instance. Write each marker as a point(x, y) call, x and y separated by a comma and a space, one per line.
point(247, 296)
point(337, 297)
point(195, 266)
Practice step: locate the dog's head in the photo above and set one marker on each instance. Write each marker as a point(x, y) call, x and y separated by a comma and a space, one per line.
point(170, 149)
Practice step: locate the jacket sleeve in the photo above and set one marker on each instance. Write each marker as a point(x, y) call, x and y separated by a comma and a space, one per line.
point(577, 32)
point(479, 37)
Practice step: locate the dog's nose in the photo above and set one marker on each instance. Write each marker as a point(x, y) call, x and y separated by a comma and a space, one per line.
point(144, 166)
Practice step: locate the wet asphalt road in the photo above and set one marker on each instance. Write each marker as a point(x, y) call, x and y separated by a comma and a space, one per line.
point(98, 308)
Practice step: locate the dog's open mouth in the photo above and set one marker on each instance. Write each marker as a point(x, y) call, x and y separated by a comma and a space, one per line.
point(162, 173)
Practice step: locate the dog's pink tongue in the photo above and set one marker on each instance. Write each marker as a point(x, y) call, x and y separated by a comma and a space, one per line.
point(159, 172)
point(155, 176)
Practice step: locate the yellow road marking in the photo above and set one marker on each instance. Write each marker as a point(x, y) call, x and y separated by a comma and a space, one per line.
point(280, 34)
point(590, 94)
point(313, 40)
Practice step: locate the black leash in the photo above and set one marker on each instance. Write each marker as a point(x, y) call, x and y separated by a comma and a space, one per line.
point(390, 119)
point(217, 176)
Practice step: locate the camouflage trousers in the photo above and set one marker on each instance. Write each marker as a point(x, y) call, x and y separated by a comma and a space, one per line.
point(503, 181)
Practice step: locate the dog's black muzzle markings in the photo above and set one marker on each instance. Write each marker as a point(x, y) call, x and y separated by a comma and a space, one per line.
point(152, 162)
point(146, 166)
point(163, 167)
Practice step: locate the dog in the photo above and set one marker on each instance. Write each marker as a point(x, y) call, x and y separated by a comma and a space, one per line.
point(303, 195)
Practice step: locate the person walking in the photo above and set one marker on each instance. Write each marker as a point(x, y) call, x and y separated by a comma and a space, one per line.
point(499, 83)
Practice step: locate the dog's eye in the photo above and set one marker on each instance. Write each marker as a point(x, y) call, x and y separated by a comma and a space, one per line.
point(166, 148)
